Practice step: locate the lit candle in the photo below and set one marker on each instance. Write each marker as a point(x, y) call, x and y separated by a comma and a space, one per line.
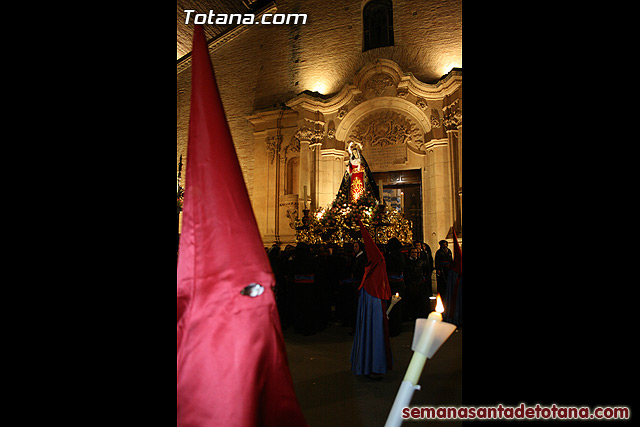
point(394, 300)
point(420, 358)
point(433, 333)
point(437, 315)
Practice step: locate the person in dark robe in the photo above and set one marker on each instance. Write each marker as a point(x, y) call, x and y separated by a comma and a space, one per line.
point(277, 266)
point(453, 307)
point(395, 272)
point(346, 289)
point(288, 273)
point(424, 253)
point(334, 267)
point(442, 262)
point(303, 290)
point(417, 301)
point(371, 350)
point(357, 272)
point(352, 270)
point(321, 289)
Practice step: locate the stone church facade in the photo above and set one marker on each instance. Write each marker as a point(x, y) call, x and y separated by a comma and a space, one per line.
point(295, 96)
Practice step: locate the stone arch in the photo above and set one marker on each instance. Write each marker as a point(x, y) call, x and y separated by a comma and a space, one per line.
point(419, 120)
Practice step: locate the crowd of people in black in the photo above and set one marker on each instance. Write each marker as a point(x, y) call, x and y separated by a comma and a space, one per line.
point(317, 284)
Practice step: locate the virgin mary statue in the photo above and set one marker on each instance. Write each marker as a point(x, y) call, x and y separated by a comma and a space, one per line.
point(358, 180)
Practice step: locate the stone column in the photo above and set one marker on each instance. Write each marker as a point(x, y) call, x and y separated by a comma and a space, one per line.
point(304, 175)
point(453, 125)
point(437, 192)
point(460, 169)
point(315, 177)
point(316, 147)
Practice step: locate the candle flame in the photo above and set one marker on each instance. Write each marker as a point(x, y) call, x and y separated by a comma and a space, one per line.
point(439, 305)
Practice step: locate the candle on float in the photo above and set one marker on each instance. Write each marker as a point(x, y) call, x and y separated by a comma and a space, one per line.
point(419, 359)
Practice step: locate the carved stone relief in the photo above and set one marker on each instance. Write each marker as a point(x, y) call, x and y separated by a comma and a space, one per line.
point(379, 82)
point(452, 115)
point(293, 146)
point(435, 118)
point(388, 128)
point(331, 130)
point(292, 214)
point(271, 148)
point(305, 134)
point(422, 103)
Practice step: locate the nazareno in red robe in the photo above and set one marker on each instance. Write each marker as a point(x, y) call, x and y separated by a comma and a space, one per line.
point(232, 365)
point(376, 284)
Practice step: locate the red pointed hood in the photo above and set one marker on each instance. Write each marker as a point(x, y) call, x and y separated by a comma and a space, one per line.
point(375, 280)
point(232, 365)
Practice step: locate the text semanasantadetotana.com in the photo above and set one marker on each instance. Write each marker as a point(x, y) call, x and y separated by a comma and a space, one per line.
point(522, 412)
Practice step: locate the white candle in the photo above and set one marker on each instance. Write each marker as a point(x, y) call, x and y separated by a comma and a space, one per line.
point(418, 360)
point(394, 300)
point(434, 315)
point(434, 333)
point(437, 315)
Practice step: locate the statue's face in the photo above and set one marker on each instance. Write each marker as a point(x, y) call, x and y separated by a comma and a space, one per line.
point(355, 157)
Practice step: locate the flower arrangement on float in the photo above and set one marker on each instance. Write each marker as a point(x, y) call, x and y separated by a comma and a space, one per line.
point(336, 223)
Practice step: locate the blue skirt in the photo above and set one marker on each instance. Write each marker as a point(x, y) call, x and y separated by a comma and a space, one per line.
point(453, 308)
point(370, 346)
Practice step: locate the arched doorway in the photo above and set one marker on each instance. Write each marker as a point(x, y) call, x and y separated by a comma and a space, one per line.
point(402, 190)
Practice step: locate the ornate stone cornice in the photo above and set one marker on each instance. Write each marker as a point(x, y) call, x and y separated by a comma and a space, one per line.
point(381, 97)
point(435, 143)
point(375, 78)
point(308, 102)
point(432, 92)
